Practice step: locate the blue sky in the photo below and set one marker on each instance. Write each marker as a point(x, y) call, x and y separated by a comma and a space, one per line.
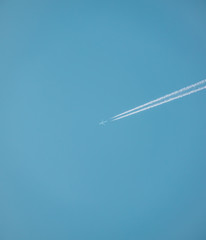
point(65, 66)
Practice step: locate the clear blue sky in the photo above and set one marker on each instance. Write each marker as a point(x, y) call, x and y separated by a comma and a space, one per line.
point(65, 66)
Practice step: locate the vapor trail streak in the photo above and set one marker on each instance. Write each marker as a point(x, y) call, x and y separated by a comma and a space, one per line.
point(162, 98)
point(160, 103)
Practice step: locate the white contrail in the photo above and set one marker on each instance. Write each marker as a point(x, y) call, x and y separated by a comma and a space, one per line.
point(162, 98)
point(160, 103)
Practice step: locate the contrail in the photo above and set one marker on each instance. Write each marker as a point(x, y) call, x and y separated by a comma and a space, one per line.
point(162, 100)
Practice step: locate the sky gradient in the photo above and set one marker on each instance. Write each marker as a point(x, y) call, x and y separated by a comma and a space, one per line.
point(66, 66)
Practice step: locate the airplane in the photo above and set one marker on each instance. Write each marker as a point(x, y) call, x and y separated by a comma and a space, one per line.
point(103, 123)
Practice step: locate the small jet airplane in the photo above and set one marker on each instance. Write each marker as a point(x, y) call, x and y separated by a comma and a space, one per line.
point(103, 123)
